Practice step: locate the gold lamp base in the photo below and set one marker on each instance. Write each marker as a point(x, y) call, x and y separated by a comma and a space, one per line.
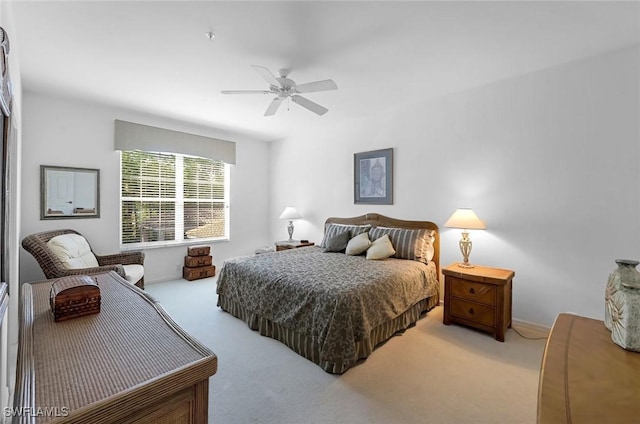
point(465, 249)
point(290, 230)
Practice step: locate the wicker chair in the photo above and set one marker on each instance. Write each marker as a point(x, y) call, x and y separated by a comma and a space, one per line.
point(36, 244)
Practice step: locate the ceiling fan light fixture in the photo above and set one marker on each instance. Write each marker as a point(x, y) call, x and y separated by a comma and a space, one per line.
point(285, 88)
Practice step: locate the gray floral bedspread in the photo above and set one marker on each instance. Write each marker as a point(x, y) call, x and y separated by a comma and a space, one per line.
point(333, 298)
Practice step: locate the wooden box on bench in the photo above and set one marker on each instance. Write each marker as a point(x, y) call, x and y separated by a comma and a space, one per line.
point(74, 296)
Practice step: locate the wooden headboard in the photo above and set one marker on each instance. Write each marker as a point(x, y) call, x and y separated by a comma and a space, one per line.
point(377, 220)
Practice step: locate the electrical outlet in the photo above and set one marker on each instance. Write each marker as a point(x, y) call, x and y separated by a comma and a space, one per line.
point(178, 268)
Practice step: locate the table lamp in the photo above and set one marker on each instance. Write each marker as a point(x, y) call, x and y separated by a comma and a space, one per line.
point(290, 213)
point(465, 219)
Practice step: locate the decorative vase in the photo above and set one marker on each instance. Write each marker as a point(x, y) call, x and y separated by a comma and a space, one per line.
point(626, 272)
point(623, 305)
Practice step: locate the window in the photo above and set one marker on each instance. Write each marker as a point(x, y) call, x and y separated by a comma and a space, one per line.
point(169, 198)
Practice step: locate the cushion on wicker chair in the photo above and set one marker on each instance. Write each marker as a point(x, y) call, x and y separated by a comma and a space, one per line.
point(133, 273)
point(73, 251)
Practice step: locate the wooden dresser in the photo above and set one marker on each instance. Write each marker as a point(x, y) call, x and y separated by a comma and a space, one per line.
point(130, 363)
point(585, 377)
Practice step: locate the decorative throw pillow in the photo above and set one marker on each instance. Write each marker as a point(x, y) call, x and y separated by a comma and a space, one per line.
point(358, 244)
point(412, 244)
point(332, 229)
point(381, 248)
point(338, 242)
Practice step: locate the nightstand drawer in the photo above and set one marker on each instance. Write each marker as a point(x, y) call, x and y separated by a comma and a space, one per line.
point(474, 312)
point(477, 292)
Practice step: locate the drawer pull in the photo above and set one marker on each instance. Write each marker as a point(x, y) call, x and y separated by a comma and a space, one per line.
point(471, 311)
point(472, 290)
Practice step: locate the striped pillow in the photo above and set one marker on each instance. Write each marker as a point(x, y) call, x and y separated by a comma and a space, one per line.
point(333, 229)
point(415, 245)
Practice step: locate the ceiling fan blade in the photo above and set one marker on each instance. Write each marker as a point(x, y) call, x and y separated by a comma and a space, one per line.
point(312, 106)
point(245, 92)
point(273, 106)
point(267, 75)
point(324, 85)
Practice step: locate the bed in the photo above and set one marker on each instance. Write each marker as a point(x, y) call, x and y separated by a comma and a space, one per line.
point(334, 308)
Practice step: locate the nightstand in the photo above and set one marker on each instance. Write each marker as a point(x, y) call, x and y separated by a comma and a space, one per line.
point(284, 245)
point(478, 297)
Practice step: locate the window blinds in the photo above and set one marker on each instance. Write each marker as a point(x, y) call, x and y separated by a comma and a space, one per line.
point(170, 197)
point(204, 192)
point(148, 197)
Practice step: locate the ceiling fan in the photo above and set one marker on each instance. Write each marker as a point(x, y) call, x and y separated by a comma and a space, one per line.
point(284, 88)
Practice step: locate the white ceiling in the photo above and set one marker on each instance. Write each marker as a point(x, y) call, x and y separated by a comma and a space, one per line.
point(154, 56)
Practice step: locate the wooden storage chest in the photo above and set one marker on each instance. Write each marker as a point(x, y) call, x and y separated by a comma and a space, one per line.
point(74, 296)
point(195, 261)
point(198, 272)
point(198, 250)
point(198, 263)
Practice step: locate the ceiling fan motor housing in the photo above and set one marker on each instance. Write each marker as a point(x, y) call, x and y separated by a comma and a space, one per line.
point(286, 83)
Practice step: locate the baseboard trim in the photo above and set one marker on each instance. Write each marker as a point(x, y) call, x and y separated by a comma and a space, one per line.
point(171, 278)
point(531, 329)
point(163, 279)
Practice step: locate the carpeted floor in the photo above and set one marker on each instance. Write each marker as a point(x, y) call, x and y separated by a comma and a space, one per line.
point(431, 373)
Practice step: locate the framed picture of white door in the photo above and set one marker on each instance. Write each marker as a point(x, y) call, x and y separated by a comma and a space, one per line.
point(67, 192)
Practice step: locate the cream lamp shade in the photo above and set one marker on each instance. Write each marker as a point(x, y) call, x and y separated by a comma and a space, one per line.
point(290, 213)
point(465, 219)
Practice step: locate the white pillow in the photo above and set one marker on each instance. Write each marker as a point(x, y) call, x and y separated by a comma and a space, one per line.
point(358, 244)
point(381, 248)
point(73, 251)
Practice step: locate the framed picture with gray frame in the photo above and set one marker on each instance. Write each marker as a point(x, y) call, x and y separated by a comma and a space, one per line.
point(67, 192)
point(373, 177)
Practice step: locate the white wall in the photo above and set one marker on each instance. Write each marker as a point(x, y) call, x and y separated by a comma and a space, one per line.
point(550, 160)
point(76, 134)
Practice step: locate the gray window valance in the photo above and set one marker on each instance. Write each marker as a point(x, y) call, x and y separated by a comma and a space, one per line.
point(130, 136)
